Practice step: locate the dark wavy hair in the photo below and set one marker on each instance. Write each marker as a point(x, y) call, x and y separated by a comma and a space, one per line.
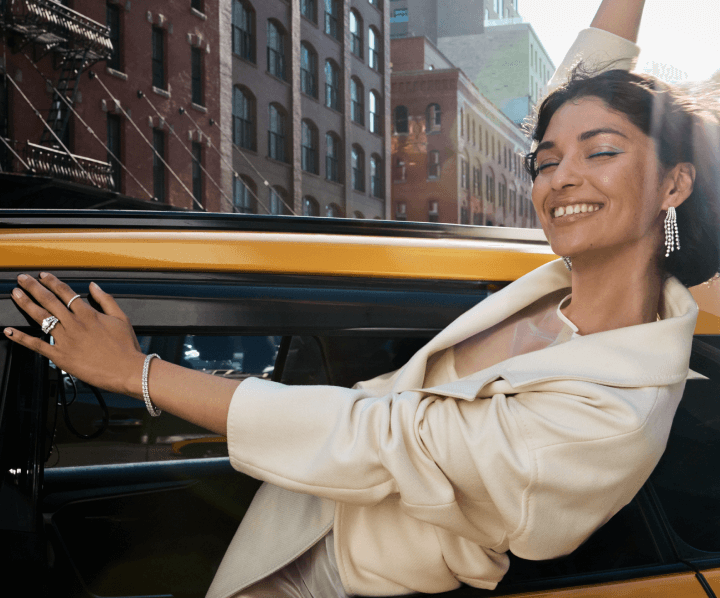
point(685, 125)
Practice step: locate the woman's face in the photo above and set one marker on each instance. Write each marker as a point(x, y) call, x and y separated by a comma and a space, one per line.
point(598, 183)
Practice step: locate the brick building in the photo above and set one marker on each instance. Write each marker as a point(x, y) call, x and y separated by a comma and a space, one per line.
point(165, 57)
point(307, 96)
point(455, 156)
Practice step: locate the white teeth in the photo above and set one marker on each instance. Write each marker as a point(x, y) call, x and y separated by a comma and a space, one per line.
point(575, 209)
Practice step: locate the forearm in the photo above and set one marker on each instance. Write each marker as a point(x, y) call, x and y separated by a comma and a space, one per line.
point(621, 17)
point(193, 396)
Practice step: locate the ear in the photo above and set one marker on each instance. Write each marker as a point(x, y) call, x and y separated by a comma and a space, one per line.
point(678, 185)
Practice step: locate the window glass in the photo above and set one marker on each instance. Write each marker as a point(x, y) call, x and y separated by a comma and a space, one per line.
point(242, 29)
point(276, 134)
point(358, 169)
point(332, 171)
point(376, 183)
point(332, 10)
point(375, 113)
point(244, 196)
point(132, 434)
point(159, 164)
point(357, 101)
point(112, 20)
point(332, 85)
point(373, 49)
point(309, 148)
point(243, 119)
point(307, 9)
point(196, 76)
point(356, 34)
point(310, 206)
point(308, 70)
point(275, 50)
point(197, 175)
point(401, 120)
point(158, 58)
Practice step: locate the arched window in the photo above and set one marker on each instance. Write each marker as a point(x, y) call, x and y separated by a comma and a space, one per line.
point(309, 147)
point(490, 186)
point(376, 178)
point(498, 7)
point(243, 30)
point(374, 48)
point(358, 168)
point(278, 201)
point(433, 164)
point(332, 21)
point(308, 70)
point(359, 215)
point(332, 157)
point(310, 206)
point(276, 42)
point(244, 194)
point(433, 210)
point(502, 193)
point(432, 118)
point(333, 211)
point(400, 210)
point(243, 118)
point(399, 170)
point(332, 85)
point(375, 112)
point(308, 10)
point(356, 33)
point(477, 180)
point(276, 133)
point(357, 98)
point(401, 120)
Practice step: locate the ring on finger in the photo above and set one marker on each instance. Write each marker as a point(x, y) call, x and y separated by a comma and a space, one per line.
point(71, 300)
point(48, 324)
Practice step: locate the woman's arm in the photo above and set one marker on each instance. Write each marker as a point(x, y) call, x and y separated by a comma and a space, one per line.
point(621, 17)
point(101, 349)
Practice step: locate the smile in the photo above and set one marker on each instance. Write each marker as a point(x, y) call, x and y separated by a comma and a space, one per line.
point(580, 208)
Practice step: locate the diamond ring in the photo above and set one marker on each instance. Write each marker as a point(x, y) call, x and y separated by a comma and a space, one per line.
point(48, 324)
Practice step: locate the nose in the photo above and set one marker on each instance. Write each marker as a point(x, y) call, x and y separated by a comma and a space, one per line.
point(566, 174)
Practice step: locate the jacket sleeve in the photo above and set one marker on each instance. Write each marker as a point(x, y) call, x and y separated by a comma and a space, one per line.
point(542, 469)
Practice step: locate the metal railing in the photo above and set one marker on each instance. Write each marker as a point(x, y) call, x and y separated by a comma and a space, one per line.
point(56, 26)
point(30, 158)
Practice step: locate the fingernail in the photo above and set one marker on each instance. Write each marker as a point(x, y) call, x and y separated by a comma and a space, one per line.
point(43, 274)
point(17, 293)
point(95, 286)
point(22, 277)
point(8, 332)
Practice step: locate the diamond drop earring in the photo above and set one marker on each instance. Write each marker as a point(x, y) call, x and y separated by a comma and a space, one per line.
point(568, 263)
point(672, 238)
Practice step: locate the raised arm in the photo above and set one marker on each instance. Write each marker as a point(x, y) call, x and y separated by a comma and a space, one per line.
point(621, 17)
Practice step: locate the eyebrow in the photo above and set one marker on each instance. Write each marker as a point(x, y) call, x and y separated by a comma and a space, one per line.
point(583, 137)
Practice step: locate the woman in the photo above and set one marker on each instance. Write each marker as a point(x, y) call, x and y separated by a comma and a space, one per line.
point(524, 426)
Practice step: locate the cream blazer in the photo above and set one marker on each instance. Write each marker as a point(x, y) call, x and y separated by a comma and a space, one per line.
point(429, 487)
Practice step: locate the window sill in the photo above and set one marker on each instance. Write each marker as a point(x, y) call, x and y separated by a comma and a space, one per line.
point(198, 107)
point(274, 161)
point(313, 23)
point(310, 97)
point(161, 92)
point(198, 14)
point(245, 60)
point(338, 183)
point(246, 150)
point(335, 110)
point(313, 174)
point(332, 37)
point(361, 192)
point(116, 73)
point(357, 124)
point(269, 74)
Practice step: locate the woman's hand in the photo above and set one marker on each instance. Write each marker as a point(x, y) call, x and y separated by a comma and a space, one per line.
point(100, 348)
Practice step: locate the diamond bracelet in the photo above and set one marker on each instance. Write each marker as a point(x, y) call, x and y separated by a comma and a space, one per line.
point(154, 411)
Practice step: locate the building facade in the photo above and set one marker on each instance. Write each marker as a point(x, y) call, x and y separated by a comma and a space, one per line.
point(307, 97)
point(456, 158)
point(145, 108)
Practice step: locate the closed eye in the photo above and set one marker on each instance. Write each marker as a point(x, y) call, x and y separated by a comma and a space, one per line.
point(604, 154)
point(546, 165)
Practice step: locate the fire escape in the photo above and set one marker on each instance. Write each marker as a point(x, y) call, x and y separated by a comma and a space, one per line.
point(39, 28)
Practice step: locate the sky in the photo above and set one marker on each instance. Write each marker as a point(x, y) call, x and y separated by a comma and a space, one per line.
point(680, 34)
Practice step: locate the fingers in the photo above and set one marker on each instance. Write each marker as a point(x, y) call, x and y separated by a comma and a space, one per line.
point(31, 342)
point(62, 291)
point(107, 302)
point(44, 297)
point(31, 308)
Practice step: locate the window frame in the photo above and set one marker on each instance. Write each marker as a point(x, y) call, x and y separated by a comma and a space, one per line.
point(244, 124)
point(309, 147)
point(357, 101)
point(356, 35)
point(277, 136)
point(375, 103)
point(197, 174)
point(243, 32)
point(401, 116)
point(244, 202)
point(113, 20)
point(332, 23)
point(159, 169)
point(332, 88)
point(308, 70)
point(196, 76)
point(332, 159)
point(159, 75)
point(357, 162)
point(276, 53)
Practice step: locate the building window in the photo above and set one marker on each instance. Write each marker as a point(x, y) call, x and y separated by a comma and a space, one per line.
point(498, 7)
point(158, 58)
point(310, 206)
point(332, 10)
point(433, 210)
point(401, 120)
point(159, 165)
point(464, 173)
point(373, 49)
point(308, 70)
point(376, 184)
point(490, 188)
point(434, 164)
point(276, 134)
point(358, 169)
point(277, 203)
point(356, 34)
point(375, 117)
point(244, 196)
point(243, 26)
point(332, 85)
point(376, 3)
point(307, 9)
point(309, 147)
point(464, 214)
point(275, 50)
point(400, 210)
point(196, 76)
point(332, 158)
point(114, 129)
point(197, 180)
point(433, 118)
point(357, 94)
point(197, 5)
point(243, 119)
point(333, 211)
point(477, 182)
point(359, 215)
point(400, 171)
point(462, 122)
point(112, 18)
